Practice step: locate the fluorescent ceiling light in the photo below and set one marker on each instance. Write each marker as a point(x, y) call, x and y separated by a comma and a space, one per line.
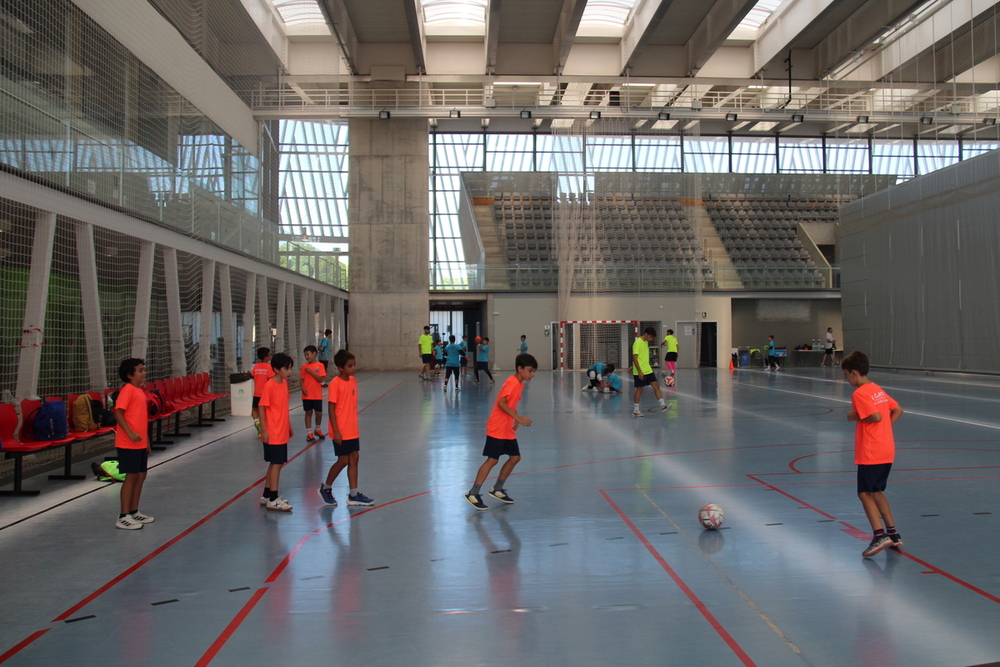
point(665, 124)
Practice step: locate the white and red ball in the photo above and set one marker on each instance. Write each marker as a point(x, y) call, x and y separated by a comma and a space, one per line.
point(711, 516)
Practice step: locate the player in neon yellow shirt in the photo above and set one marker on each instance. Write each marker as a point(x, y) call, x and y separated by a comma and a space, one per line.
point(642, 372)
point(670, 358)
point(426, 345)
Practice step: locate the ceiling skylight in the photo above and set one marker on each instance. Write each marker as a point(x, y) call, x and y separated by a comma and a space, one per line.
point(454, 17)
point(751, 23)
point(301, 17)
point(605, 18)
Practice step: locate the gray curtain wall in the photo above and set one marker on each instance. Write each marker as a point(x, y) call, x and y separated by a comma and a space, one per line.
point(919, 265)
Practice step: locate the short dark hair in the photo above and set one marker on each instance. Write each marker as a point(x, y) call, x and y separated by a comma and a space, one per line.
point(523, 336)
point(263, 353)
point(310, 348)
point(328, 332)
point(856, 361)
point(451, 338)
point(341, 358)
point(127, 368)
point(281, 360)
point(525, 361)
point(649, 331)
point(427, 328)
point(670, 332)
point(609, 369)
point(486, 340)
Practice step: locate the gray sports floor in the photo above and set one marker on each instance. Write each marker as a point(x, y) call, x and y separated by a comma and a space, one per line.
point(600, 561)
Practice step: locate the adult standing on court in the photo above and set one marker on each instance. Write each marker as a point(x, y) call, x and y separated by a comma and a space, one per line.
point(828, 347)
point(426, 346)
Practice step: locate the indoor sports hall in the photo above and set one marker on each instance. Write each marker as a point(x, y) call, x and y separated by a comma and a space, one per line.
point(733, 195)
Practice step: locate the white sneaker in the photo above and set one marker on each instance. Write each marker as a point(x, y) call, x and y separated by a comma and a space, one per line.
point(637, 413)
point(141, 518)
point(263, 500)
point(278, 505)
point(127, 523)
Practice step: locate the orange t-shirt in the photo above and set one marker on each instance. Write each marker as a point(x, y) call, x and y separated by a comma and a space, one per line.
point(344, 394)
point(312, 390)
point(132, 400)
point(262, 372)
point(500, 424)
point(873, 442)
point(274, 401)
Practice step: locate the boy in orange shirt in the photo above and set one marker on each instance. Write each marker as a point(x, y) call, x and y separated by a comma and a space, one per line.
point(312, 374)
point(344, 431)
point(261, 372)
point(132, 442)
point(874, 449)
point(501, 430)
point(275, 430)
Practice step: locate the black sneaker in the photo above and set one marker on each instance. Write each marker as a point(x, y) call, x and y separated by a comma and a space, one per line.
point(897, 540)
point(477, 501)
point(878, 544)
point(501, 494)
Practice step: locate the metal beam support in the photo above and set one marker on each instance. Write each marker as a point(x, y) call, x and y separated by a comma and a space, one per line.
point(335, 12)
point(646, 17)
point(33, 331)
point(492, 34)
point(784, 25)
point(569, 23)
point(264, 338)
point(249, 352)
point(178, 359)
point(143, 300)
point(713, 31)
point(90, 301)
point(418, 40)
point(203, 360)
point(864, 25)
point(228, 327)
point(293, 339)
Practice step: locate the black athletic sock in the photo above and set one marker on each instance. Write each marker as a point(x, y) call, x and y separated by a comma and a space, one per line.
point(133, 511)
point(271, 495)
point(122, 516)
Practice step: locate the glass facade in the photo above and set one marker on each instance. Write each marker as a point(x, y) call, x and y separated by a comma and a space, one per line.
point(578, 157)
point(105, 126)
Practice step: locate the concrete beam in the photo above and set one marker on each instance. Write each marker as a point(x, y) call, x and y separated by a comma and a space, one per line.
point(864, 25)
point(418, 40)
point(713, 31)
point(785, 24)
point(646, 17)
point(492, 34)
point(569, 23)
point(343, 30)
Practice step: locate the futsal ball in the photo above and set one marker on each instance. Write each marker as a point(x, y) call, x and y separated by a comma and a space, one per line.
point(478, 339)
point(711, 516)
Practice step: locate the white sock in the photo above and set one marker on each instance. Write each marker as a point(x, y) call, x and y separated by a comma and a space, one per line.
point(662, 403)
point(635, 407)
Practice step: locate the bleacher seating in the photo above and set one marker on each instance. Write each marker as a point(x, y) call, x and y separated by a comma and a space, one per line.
point(761, 238)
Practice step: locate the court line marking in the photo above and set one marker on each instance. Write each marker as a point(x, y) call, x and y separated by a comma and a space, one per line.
point(934, 568)
point(730, 641)
point(103, 589)
point(791, 464)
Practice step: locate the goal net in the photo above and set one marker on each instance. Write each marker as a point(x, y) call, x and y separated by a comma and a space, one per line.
point(583, 343)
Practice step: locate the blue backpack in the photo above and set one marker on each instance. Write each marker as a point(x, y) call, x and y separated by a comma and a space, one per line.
point(49, 421)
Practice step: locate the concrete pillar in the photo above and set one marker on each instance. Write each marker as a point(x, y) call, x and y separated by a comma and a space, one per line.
point(33, 331)
point(90, 299)
point(389, 222)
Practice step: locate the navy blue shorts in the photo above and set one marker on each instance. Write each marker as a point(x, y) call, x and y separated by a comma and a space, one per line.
point(132, 460)
point(872, 478)
point(427, 358)
point(314, 404)
point(497, 447)
point(650, 379)
point(346, 446)
point(256, 401)
point(277, 454)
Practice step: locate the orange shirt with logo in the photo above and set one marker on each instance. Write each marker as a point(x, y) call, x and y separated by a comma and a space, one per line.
point(344, 395)
point(500, 424)
point(262, 372)
point(873, 441)
point(274, 402)
point(312, 390)
point(132, 400)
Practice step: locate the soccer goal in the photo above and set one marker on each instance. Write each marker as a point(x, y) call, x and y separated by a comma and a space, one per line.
point(584, 342)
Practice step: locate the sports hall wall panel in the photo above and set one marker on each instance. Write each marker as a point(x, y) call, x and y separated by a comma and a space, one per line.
point(919, 270)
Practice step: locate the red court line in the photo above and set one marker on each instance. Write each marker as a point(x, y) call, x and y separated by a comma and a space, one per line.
point(231, 628)
point(791, 464)
point(801, 502)
point(17, 647)
point(712, 620)
point(861, 535)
